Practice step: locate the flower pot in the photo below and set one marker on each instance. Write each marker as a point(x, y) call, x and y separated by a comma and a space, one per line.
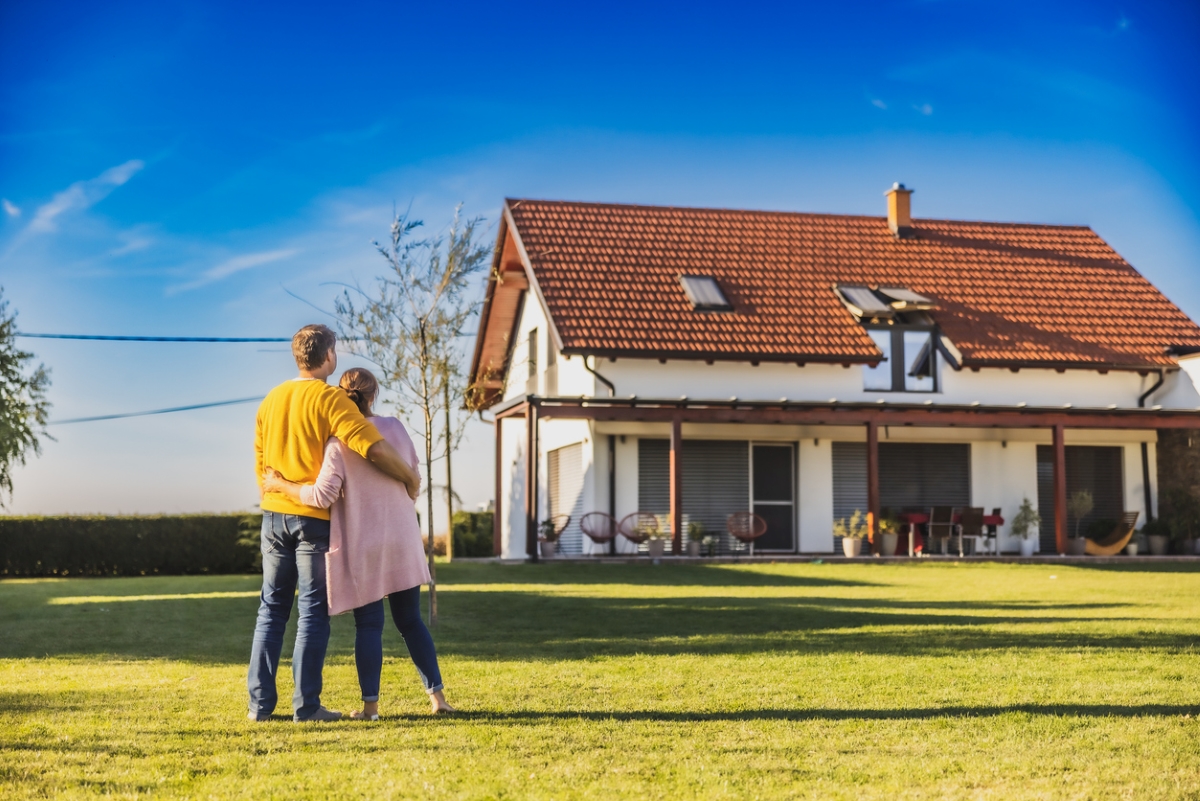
point(693, 548)
point(655, 548)
point(1158, 544)
point(852, 546)
point(1131, 549)
point(546, 548)
point(888, 543)
point(1028, 546)
point(1076, 546)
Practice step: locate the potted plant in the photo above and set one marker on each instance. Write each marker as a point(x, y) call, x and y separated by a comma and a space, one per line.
point(548, 535)
point(1158, 535)
point(889, 534)
point(710, 543)
point(656, 546)
point(851, 530)
point(1079, 505)
point(1181, 510)
point(696, 536)
point(1025, 525)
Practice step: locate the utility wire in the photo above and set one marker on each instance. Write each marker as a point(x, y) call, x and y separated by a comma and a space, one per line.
point(154, 411)
point(154, 339)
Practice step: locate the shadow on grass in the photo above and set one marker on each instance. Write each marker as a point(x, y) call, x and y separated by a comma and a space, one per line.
point(521, 625)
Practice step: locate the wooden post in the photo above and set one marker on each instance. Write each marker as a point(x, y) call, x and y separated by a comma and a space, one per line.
point(497, 532)
point(873, 485)
point(677, 486)
point(449, 479)
point(531, 482)
point(1060, 490)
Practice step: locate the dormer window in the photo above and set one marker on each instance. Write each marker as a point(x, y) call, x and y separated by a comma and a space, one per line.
point(705, 293)
point(897, 320)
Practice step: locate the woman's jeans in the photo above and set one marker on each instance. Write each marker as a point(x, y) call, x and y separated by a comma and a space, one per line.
point(293, 554)
point(368, 641)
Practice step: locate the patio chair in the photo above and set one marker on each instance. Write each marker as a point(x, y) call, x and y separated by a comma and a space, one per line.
point(1119, 538)
point(598, 527)
point(941, 525)
point(970, 527)
point(993, 534)
point(638, 527)
point(746, 527)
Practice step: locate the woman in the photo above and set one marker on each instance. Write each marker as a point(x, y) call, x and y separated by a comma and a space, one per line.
point(375, 549)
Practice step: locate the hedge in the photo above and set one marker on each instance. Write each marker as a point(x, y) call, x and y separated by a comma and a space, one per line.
point(129, 546)
point(472, 533)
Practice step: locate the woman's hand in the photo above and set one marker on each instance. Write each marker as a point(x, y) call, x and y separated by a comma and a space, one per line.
point(274, 482)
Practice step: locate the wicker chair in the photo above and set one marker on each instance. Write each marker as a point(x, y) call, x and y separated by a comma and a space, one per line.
point(598, 527)
point(638, 527)
point(746, 527)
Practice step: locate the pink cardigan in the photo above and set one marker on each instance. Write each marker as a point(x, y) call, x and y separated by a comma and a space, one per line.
point(375, 544)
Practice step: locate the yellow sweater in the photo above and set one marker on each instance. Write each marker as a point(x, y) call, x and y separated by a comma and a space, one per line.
point(294, 422)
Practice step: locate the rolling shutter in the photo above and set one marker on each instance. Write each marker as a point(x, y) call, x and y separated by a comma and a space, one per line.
point(849, 478)
point(716, 481)
point(918, 475)
point(1099, 470)
point(565, 468)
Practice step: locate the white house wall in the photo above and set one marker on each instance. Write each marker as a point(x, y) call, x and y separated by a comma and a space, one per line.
point(648, 378)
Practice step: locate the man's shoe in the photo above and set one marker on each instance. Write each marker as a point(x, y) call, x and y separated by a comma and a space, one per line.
point(322, 715)
point(257, 717)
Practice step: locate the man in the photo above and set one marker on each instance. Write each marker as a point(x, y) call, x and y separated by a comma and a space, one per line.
point(294, 422)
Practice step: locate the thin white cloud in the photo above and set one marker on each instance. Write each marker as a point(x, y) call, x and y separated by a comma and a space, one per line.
point(924, 108)
point(10, 208)
point(877, 103)
point(231, 266)
point(82, 194)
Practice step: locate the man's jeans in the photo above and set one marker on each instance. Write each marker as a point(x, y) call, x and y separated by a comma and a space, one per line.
point(293, 552)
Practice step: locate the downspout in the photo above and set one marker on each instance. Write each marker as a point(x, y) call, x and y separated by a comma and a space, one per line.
point(612, 390)
point(1145, 450)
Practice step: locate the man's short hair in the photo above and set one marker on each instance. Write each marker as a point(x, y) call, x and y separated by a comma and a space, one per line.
point(311, 346)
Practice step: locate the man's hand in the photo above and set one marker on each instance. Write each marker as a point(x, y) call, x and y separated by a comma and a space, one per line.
point(388, 460)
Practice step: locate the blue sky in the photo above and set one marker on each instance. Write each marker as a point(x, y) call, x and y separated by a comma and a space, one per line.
point(178, 169)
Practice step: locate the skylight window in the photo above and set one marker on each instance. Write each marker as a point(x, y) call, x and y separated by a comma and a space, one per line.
point(705, 293)
point(902, 298)
point(863, 302)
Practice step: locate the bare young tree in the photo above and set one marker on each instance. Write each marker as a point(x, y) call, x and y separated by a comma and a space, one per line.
point(23, 404)
point(409, 325)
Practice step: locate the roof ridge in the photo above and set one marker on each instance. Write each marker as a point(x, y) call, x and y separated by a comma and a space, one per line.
point(510, 201)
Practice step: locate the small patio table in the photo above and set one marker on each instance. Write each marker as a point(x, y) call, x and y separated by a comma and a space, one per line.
point(914, 519)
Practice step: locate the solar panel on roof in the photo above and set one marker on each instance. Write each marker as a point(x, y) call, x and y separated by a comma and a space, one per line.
point(705, 293)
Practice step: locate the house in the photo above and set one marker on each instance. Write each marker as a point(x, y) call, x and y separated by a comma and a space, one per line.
point(697, 362)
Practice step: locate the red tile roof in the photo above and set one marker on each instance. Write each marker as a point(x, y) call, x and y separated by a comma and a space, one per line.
point(1007, 294)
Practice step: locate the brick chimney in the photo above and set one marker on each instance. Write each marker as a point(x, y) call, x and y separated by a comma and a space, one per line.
point(899, 210)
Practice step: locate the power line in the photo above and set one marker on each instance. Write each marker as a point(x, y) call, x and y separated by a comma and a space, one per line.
point(153, 339)
point(155, 411)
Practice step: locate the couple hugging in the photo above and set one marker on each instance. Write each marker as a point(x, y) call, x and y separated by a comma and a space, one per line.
point(338, 491)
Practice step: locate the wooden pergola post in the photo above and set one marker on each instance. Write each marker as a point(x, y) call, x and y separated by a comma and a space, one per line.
point(873, 484)
point(1060, 490)
point(677, 485)
point(497, 532)
point(531, 482)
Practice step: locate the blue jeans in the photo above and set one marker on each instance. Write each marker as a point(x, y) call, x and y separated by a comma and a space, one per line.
point(368, 642)
point(293, 553)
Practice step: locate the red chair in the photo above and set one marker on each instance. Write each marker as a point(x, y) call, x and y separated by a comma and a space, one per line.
point(638, 527)
point(598, 527)
point(746, 527)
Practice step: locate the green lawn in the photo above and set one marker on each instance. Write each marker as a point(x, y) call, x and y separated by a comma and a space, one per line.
point(604, 681)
